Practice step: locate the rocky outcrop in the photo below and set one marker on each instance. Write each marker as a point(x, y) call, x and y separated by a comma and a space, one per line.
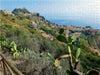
point(7, 12)
point(34, 25)
point(20, 11)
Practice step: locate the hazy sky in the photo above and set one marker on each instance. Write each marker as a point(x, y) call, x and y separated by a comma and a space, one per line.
point(85, 11)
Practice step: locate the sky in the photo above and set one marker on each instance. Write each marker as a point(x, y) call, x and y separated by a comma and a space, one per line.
point(74, 12)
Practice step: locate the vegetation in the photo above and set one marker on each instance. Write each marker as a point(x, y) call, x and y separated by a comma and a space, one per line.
point(36, 54)
point(72, 59)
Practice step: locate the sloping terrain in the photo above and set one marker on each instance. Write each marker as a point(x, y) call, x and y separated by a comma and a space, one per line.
point(35, 37)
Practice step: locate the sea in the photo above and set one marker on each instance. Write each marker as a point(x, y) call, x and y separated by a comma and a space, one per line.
point(74, 23)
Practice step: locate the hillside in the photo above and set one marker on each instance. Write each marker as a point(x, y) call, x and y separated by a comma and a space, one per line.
point(35, 37)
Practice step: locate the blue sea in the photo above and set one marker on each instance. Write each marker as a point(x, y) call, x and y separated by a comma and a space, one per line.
point(75, 23)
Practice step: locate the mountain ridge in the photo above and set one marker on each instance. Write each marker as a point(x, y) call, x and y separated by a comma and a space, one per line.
point(35, 19)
